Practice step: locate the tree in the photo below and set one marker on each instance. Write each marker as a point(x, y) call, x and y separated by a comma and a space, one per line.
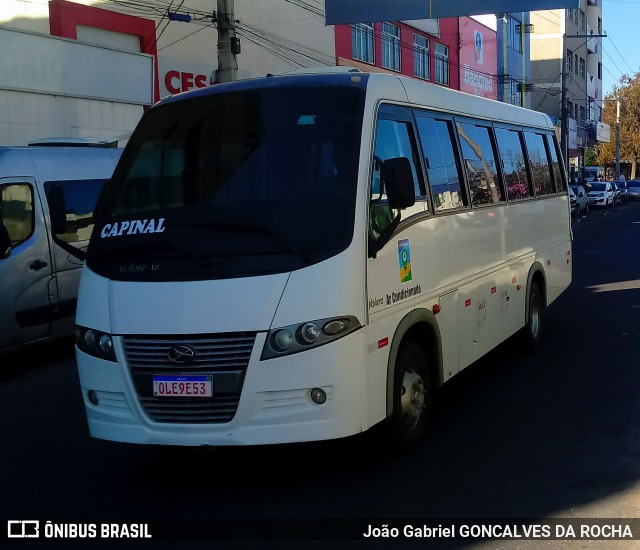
point(591, 156)
point(628, 92)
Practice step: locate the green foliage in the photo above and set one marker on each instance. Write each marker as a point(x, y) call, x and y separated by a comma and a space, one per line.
point(628, 92)
point(591, 156)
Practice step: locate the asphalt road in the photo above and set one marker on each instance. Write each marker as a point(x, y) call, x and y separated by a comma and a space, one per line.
point(552, 434)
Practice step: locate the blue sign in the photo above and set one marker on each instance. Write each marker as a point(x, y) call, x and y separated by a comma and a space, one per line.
point(339, 12)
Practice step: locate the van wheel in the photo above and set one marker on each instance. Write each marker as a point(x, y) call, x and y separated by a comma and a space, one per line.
point(412, 398)
point(531, 334)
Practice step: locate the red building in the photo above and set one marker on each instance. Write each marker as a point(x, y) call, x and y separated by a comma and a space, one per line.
point(405, 49)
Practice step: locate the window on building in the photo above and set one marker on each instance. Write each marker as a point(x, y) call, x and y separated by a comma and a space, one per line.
point(583, 68)
point(362, 40)
point(442, 64)
point(599, 71)
point(569, 61)
point(575, 111)
point(583, 25)
point(421, 66)
point(599, 25)
point(570, 14)
point(575, 65)
point(513, 35)
point(570, 108)
point(390, 46)
point(515, 97)
point(582, 114)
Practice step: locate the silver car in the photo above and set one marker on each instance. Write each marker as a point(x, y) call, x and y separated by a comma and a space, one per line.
point(47, 197)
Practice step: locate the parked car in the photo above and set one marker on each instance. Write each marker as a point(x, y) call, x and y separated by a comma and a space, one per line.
point(623, 191)
point(47, 195)
point(601, 194)
point(573, 204)
point(633, 189)
point(582, 201)
point(617, 197)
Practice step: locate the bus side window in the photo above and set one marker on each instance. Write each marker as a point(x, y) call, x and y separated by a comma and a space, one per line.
point(514, 163)
point(552, 146)
point(394, 138)
point(539, 163)
point(479, 159)
point(443, 170)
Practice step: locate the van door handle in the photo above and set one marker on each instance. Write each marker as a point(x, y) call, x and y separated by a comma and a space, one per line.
point(37, 265)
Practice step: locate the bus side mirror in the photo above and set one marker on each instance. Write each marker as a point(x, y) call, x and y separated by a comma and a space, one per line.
point(398, 182)
point(57, 209)
point(5, 242)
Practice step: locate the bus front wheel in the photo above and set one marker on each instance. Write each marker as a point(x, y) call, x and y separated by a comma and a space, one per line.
point(412, 397)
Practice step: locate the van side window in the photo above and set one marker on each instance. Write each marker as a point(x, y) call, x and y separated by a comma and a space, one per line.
point(394, 138)
point(16, 211)
point(552, 145)
point(540, 165)
point(514, 164)
point(480, 164)
point(71, 206)
point(440, 154)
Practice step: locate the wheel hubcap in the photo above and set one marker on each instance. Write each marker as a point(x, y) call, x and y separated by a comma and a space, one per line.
point(534, 317)
point(412, 398)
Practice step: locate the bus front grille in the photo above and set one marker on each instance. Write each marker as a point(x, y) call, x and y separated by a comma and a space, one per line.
point(224, 357)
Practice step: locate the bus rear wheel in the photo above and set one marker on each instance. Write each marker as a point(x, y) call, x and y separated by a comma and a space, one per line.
point(412, 398)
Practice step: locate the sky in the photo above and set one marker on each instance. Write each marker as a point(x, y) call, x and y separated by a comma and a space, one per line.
point(621, 50)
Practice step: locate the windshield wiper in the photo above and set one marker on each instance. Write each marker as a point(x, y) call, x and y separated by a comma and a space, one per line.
point(243, 227)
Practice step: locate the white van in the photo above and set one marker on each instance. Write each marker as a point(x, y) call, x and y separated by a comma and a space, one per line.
point(48, 191)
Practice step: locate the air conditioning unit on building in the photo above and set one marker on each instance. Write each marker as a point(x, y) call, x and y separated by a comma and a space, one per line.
point(528, 28)
point(525, 87)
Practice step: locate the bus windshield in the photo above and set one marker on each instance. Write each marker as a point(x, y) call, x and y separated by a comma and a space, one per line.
point(246, 182)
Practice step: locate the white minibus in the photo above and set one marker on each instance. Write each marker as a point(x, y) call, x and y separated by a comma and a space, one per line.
point(48, 191)
point(299, 258)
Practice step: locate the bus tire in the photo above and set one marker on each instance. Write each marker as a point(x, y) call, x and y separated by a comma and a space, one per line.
point(532, 331)
point(412, 398)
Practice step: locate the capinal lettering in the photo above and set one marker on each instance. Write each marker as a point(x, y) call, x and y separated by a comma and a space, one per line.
point(133, 227)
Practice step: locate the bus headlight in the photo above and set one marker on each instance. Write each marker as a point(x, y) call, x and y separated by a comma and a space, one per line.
point(303, 336)
point(96, 343)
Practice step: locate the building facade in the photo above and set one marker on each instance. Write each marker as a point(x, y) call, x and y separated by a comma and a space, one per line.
point(567, 63)
point(275, 36)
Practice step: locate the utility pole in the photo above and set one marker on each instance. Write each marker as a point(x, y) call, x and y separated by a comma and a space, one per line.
point(228, 43)
point(617, 138)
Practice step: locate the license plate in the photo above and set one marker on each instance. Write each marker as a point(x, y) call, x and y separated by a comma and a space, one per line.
point(182, 386)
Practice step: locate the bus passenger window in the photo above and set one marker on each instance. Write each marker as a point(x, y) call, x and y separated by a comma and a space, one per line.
point(393, 140)
point(513, 161)
point(555, 164)
point(480, 164)
point(445, 178)
point(539, 162)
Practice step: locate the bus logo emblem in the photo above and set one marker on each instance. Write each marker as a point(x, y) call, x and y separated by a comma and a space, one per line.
point(181, 353)
point(404, 257)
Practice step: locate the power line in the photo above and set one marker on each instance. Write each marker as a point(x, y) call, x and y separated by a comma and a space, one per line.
point(623, 58)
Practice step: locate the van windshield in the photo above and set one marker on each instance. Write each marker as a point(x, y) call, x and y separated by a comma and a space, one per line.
point(233, 184)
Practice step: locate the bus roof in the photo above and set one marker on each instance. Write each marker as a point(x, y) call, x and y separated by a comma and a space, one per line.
point(416, 92)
